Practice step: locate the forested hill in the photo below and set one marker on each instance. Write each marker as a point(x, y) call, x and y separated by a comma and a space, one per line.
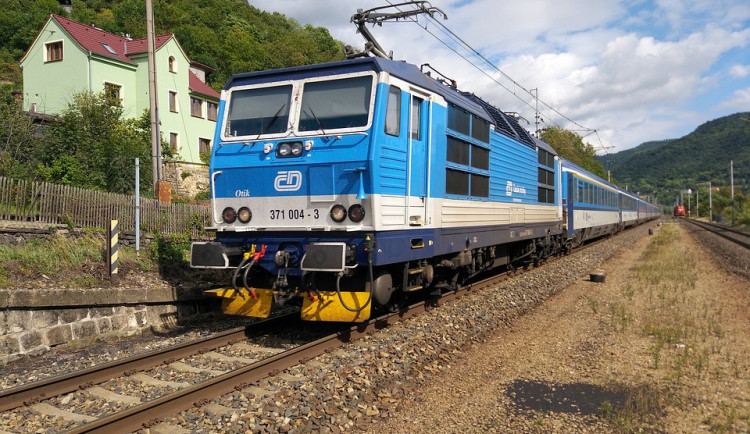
point(703, 155)
point(228, 35)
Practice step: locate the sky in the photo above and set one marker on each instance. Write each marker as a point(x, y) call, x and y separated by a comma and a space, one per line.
point(618, 72)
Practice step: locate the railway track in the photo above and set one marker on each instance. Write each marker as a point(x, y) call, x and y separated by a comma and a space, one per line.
point(735, 236)
point(135, 414)
point(36, 395)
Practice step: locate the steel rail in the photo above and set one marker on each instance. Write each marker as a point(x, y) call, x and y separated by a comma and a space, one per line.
point(723, 232)
point(54, 386)
point(150, 413)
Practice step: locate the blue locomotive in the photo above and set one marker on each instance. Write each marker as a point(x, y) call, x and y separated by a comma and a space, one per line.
point(349, 184)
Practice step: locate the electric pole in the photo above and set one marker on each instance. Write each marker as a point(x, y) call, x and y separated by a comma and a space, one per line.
point(153, 100)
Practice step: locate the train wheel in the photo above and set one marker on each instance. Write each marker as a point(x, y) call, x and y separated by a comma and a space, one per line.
point(397, 302)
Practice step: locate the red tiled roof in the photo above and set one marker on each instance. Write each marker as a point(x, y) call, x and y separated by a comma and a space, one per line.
point(197, 86)
point(93, 39)
point(137, 46)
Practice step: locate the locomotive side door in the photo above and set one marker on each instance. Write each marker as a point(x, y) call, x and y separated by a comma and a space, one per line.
point(420, 108)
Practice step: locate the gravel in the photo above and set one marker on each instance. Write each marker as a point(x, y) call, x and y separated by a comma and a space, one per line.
point(362, 384)
point(413, 371)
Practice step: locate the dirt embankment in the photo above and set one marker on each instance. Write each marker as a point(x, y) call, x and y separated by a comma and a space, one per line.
point(662, 345)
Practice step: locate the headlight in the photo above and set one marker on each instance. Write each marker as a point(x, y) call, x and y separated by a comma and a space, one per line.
point(356, 213)
point(244, 214)
point(283, 150)
point(229, 215)
point(338, 213)
point(296, 149)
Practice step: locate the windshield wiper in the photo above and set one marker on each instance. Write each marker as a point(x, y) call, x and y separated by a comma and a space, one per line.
point(320, 124)
point(273, 120)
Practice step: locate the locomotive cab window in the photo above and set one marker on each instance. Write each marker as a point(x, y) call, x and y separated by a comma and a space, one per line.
point(335, 104)
point(259, 111)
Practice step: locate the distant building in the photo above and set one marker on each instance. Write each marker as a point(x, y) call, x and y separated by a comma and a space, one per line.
point(69, 57)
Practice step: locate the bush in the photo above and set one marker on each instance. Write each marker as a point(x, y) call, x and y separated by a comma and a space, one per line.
point(169, 251)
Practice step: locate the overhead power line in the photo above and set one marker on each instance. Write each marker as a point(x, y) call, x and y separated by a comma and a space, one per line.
point(447, 32)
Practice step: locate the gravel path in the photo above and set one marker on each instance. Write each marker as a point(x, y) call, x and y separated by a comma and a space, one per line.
point(548, 351)
point(563, 365)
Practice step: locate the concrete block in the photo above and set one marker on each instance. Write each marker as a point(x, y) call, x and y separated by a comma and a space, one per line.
point(84, 329)
point(14, 321)
point(104, 325)
point(30, 340)
point(43, 318)
point(140, 319)
point(9, 345)
point(61, 334)
point(71, 315)
point(98, 312)
point(121, 322)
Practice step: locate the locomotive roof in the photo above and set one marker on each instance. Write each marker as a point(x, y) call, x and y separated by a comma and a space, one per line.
point(503, 123)
point(570, 165)
point(402, 70)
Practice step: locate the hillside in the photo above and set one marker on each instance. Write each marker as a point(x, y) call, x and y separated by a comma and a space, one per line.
point(670, 165)
point(230, 36)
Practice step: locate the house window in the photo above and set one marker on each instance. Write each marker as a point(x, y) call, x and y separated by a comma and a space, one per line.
point(172, 65)
point(174, 142)
point(204, 146)
point(173, 101)
point(212, 111)
point(113, 93)
point(54, 51)
point(196, 107)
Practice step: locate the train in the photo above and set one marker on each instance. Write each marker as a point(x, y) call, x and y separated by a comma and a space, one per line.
point(341, 188)
point(679, 211)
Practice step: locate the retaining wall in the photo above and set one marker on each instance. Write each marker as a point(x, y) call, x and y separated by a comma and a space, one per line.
point(33, 321)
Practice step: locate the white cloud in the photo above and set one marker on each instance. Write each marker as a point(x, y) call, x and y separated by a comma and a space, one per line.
point(635, 70)
point(739, 101)
point(739, 71)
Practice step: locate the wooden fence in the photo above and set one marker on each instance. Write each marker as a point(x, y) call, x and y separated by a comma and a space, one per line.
point(40, 202)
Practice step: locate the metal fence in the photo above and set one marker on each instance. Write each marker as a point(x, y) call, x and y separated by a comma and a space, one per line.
point(41, 202)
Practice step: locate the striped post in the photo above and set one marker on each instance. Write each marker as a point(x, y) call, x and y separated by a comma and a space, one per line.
point(112, 249)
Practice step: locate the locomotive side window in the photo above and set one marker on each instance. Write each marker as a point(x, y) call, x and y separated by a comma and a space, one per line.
point(546, 177)
point(335, 104)
point(456, 182)
point(459, 120)
point(480, 185)
point(480, 129)
point(468, 154)
point(393, 112)
point(416, 119)
point(480, 157)
point(458, 151)
point(254, 112)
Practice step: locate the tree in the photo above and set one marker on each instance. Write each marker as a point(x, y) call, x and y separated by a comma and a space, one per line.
point(18, 142)
point(93, 147)
point(570, 146)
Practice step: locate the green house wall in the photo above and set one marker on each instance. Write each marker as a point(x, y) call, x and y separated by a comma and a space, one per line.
point(49, 86)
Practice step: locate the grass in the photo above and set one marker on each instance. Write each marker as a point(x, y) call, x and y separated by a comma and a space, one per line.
point(684, 334)
point(74, 261)
point(49, 257)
